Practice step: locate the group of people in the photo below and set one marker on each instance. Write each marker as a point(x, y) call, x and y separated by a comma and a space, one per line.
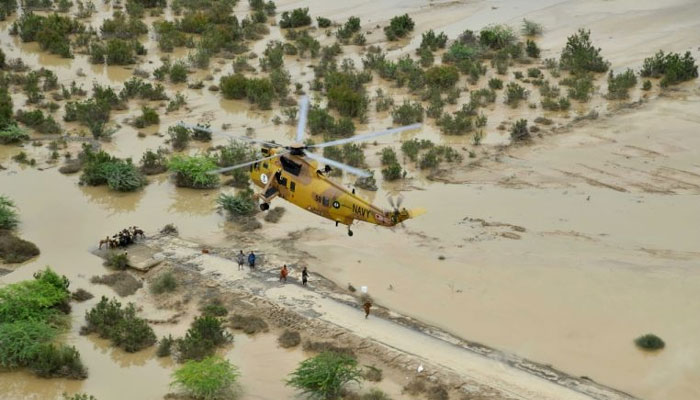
point(284, 272)
point(124, 238)
point(241, 259)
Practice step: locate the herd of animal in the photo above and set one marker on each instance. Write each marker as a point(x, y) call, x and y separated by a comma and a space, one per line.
point(122, 239)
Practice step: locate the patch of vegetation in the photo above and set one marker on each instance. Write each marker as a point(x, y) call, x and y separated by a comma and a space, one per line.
point(154, 162)
point(164, 282)
point(138, 88)
point(436, 155)
point(289, 339)
point(193, 171)
point(443, 76)
point(399, 27)
point(497, 37)
point(38, 121)
point(214, 308)
point(122, 282)
point(346, 95)
point(148, 116)
point(203, 337)
point(432, 41)
point(580, 86)
point(407, 113)
point(325, 375)
point(552, 104)
point(671, 67)
point(120, 325)
point(495, 84)
point(116, 52)
point(249, 324)
point(646, 86)
point(457, 123)
point(208, 379)
point(372, 373)
point(239, 205)
point(649, 342)
point(8, 214)
point(350, 28)
point(514, 94)
point(531, 28)
point(122, 27)
point(31, 318)
point(411, 148)
point(274, 215)
point(519, 131)
point(14, 249)
point(323, 22)
point(619, 84)
point(100, 168)
point(165, 345)
point(116, 260)
point(259, 91)
point(180, 137)
point(531, 49)
point(51, 32)
point(237, 152)
point(297, 18)
point(579, 54)
point(81, 295)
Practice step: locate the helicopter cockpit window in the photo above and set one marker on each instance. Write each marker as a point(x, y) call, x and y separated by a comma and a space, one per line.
point(290, 166)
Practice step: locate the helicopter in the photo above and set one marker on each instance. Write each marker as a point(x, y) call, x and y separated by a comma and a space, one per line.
point(292, 173)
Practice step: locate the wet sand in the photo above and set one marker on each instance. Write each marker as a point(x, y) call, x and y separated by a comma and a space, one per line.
point(584, 279)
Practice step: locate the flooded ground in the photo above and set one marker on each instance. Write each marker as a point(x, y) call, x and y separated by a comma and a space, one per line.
point(562, 253)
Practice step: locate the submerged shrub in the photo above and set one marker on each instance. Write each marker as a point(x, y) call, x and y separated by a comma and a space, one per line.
point(619, 84)
point(443, 77)
point(519, 131)
point(208, 379)
point(121, 326)
point(165, 345)
point(649, 342)
point(121, 175)
point(579, 54)
point(399, 27)
point(165, 282)
point(325, 375)
point(240, 204)
point(8, 214)
point(672, 67)
point(193, 171)
point(298, 17)
point(515, 93)
point(204, 335)
point(580, 86)
point(407, 113)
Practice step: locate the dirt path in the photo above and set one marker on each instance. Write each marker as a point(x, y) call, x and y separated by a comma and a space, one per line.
point(494, 371)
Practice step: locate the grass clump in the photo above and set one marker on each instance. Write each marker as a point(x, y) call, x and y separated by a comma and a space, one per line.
point(249, 324)
point(649, 342)
point(671, 67)
point(618, 85)
point(579, 54)
point(519, 131)
point(297, 18)
point(203, 337)
point(154, 162)
point(120, 175)
point(193, 171)
point(208, 379)
point(120, 325)
point(514, 94)
point(289, 339)
point(325, 375)
point(399, 27)
point(31, 319)
point(495, 84)
point(164, 282)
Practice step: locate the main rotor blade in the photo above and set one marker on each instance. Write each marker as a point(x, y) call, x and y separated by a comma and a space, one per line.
point(367, 136)
point(245, 164)
point(303, 112)
point(355, 171)
point(228, 135)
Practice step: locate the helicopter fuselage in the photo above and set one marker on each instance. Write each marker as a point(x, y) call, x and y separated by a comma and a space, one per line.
point(299, 181)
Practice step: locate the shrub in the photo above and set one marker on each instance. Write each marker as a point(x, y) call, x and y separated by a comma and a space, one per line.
point(412, 147)
point(154, 162)
point(14, 249)
point(193, 171)
point(119, 26)
point(531, 28)
point(435, 155)
point(298, 17)
point(6, 113)
point(323, 22)
point(148, 117)
point(325, 375)
point(399, 27)
point(619, 84)
point(671, 66)
point(178, 72)
point(495, 84)
point(531, 49)
point(115, 52)
point(120, 175)
point(240, 204)
point(117, 260)
point(345, 32)
point(649, 342)
point(237, 152)
point(51, 32)
point(249, 324)
point(515, 93)
point(208, 379)
point(382, 102)
point(519, 131)
point(81, 295)
point(443, 77)
point(579, 54)
point(51, 361)
point(180, 136)
point(580, 86)
point(8, 215)
point(459, 123)
point(260, 91)
point(407, 113)
point(165, 282)
point(497, 37)
point(37, 120)
point(121, 326)
point(289, 339)
point(432, 41)
point(202, 338)
point(348, 101)
point(534, 73)
point(646, 85)
point(233, 86)
point(392, 172)
point(214, 308)
point(165, 345)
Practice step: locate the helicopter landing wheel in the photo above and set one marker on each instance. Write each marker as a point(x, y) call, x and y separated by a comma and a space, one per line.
point(264, 206)
point(349, 232)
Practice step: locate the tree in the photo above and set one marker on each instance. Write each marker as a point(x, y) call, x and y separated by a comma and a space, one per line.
point(580, 55)
point(207, 379)
point(324, 376)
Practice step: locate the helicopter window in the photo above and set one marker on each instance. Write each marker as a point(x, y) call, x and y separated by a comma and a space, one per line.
point(292, 186)
point(290, 166)
point(265, 165)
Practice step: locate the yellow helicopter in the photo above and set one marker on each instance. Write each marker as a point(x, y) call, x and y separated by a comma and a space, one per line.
point(293, 174)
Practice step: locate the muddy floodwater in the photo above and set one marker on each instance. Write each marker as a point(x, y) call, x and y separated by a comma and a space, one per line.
point(562, 252)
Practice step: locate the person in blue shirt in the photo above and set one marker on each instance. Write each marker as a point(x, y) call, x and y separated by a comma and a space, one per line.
point(251, 260)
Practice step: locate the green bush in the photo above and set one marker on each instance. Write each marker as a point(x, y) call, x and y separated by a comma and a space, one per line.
point(433, 41)
point(193, 171)
point(495, 84)
point(580, 86)
point(579, 54)
point(392, 172)
point(646, 85)
point(180, 137)
point(534, 73)
point(148, 116)
point(345, 32)
point(237, 152)
point(233, 86)
point(298, 17)
point(619, 84)
point(649, 342)
point(57, 361)
point(117, 260)
point(121, 27)
point(203, 337)
point(51, 32)
point(407, 113)
point(208, 379)
point(348, 101)
point(515, 93)
point(437, 154)
point(412, 147)
point(165, 345)
point(531, 49)
point(214, 308)
point(8, 215)
point(399, 27)
point(671, 66)
point(154, 162)
point(497, 37)
point(273, 56)
point(459, 123)
point(178, 72)
point(121, 326)
point(325, 375)
point(323, 22)
point(37, 120)
point(443, 77)
point(519, 131)
point(165, 282)
point(115, 52)
point(240, 204)
point(121, 175)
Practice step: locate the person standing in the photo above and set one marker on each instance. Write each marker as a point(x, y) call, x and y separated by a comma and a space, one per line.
point(283, 273)
point(251, 260)
point(304, 276)
point(240, 258)
point(367, 306)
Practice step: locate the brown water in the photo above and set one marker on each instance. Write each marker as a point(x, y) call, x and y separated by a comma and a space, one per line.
point(586, 277)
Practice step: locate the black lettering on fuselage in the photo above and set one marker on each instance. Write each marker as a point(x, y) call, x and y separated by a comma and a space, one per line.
point(361, 211)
